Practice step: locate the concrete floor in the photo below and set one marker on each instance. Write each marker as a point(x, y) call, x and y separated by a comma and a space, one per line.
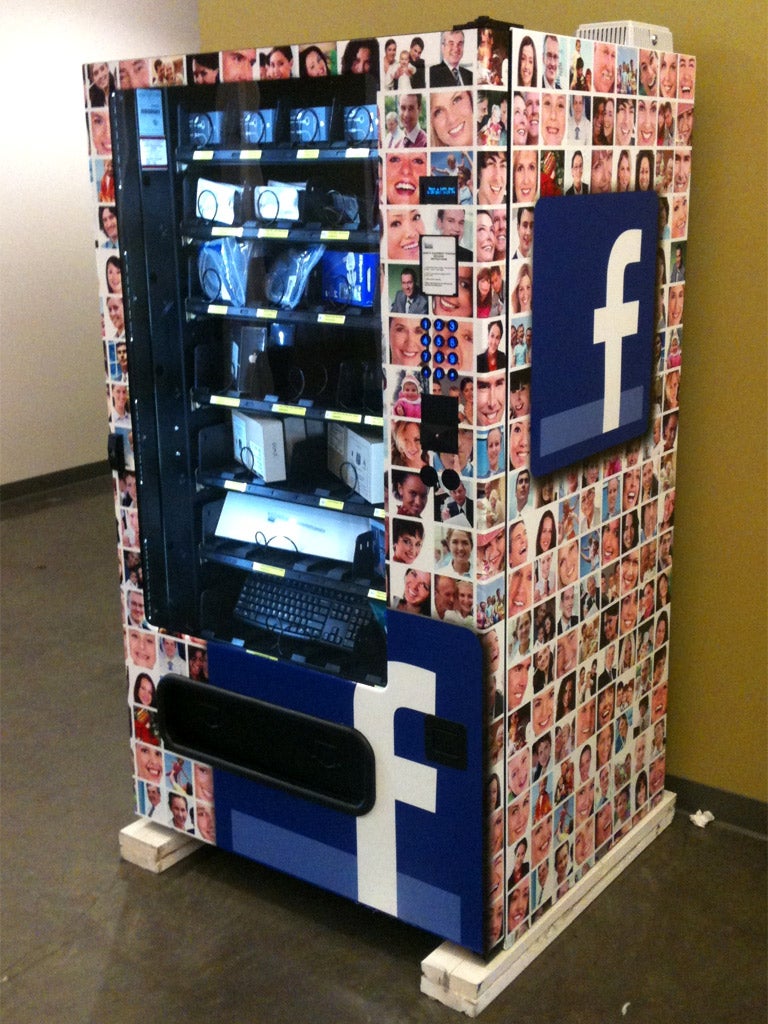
point(680, 936)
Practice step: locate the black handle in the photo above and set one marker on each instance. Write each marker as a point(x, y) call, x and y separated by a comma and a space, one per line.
point(310, 757)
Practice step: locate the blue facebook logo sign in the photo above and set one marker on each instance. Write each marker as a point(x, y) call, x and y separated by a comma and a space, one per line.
point(593, 318)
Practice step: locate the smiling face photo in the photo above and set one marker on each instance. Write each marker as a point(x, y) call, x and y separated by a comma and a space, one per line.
point(462, 303)
point(402, 170)
point(525, 176)
point(452, 118)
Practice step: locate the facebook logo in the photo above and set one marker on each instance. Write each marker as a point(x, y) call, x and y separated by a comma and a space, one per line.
point(593, 321)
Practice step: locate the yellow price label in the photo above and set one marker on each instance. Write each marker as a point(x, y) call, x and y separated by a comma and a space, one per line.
point(290, 410)
point(270, 570)
point(261, 654)
point(343, 417)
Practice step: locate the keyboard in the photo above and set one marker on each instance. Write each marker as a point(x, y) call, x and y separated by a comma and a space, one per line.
point(303, 611)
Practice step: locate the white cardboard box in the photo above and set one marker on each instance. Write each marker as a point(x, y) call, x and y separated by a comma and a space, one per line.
point(259, 444)
point(357, 458)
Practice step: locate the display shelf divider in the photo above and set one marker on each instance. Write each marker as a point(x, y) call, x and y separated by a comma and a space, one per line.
point(203, 307)
point(203, 396)
point(233, 480)
point(239, 559)
point(278, 155)
point(202, 230)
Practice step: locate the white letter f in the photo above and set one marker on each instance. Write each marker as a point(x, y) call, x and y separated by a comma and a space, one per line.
point(616, 320)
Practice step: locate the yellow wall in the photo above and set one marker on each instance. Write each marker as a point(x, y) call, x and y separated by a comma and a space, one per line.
point(717, 718)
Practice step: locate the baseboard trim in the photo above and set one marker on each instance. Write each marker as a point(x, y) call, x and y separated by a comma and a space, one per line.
point(51, 481)
point(729, 808)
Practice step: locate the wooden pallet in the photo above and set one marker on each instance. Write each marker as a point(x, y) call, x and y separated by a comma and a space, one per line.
point(155, 847)
point(463, 981)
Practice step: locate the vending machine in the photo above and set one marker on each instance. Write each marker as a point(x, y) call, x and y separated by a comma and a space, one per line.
point(396, 581)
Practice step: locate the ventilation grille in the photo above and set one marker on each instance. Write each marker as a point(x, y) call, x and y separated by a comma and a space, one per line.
point(628, 33)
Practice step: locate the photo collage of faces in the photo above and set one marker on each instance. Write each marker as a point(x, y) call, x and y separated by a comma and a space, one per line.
point(443, 110)
point(590, 551)
point(169, 789)
point(566, 579)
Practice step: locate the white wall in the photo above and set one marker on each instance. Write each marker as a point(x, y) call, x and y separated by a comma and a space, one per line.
point(53, 412)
